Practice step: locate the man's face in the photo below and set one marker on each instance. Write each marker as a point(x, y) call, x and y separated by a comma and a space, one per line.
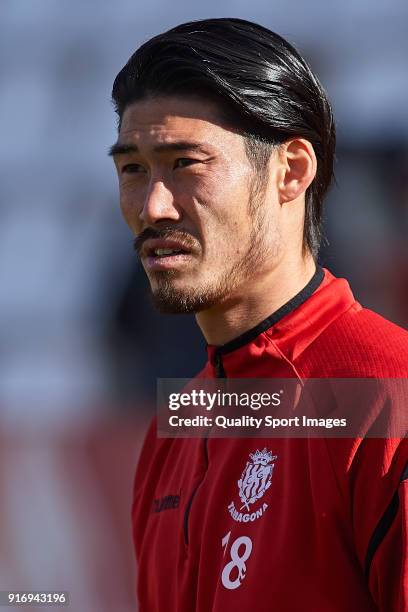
point(204, 226)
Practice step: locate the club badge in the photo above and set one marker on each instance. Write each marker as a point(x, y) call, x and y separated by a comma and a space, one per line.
point(254, 482)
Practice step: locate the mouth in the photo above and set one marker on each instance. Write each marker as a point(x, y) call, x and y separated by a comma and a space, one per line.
point(166, 252)
point(162, 254)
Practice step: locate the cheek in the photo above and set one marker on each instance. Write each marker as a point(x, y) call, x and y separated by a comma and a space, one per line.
point(126, 210)
point(130, 206)
point(227, 229)
point(221, 195)
point(232, 211)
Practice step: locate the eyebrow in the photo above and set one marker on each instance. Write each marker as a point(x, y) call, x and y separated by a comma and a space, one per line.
point(125, 149)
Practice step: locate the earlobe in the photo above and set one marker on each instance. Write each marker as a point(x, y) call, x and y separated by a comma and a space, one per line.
point(298, 169)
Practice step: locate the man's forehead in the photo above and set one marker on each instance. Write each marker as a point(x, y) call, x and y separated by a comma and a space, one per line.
point(168, 118)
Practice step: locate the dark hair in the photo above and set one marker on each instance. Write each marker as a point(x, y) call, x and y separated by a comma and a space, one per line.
point(266, 87)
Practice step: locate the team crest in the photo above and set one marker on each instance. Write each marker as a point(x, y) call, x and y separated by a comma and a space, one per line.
point(254, 482)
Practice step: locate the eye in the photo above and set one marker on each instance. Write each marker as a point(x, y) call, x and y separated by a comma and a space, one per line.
point(184, 162)
point(132, 169)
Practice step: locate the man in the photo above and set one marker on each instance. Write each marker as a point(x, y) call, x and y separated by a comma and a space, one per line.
point(224, 154)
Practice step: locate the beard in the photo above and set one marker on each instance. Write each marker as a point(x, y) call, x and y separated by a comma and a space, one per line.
point(169, 299)
point(192, 299)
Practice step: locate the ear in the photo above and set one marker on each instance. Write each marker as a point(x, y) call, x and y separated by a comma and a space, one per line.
point(297, 169)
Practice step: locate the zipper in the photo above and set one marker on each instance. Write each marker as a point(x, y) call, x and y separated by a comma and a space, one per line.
point(190, 501)
point(219, 367)
point(219, 373)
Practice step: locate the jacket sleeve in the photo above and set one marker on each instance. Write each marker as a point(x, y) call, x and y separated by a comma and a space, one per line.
point(379, 480)
point(386, 563)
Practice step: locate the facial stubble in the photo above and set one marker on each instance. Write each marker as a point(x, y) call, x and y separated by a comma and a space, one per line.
point(186, 300)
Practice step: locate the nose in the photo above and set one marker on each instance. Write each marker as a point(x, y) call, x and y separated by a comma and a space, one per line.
point(159, 204)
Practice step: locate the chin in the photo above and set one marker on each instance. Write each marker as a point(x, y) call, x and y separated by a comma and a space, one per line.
point(178, 303)
point(183, 300)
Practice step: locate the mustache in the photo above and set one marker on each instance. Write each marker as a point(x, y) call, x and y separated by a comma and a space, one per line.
point(169, 232)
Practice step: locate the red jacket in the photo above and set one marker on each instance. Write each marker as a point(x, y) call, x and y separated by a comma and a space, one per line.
point(329, 532)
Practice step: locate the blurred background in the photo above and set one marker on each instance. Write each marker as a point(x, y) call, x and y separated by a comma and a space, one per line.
point(81, 346)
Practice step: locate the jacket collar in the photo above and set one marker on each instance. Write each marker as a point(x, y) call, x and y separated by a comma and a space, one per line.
point(286, 333)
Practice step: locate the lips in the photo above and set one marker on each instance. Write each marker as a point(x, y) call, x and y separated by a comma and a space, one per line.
point(161, 254)
point(163, 247)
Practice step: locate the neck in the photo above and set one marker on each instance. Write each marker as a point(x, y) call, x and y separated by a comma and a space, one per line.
point(255, 301)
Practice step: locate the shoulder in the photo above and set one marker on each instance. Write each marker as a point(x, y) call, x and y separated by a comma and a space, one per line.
point(361, 343)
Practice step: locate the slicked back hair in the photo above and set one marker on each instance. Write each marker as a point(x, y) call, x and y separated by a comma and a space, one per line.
point(260, 82)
